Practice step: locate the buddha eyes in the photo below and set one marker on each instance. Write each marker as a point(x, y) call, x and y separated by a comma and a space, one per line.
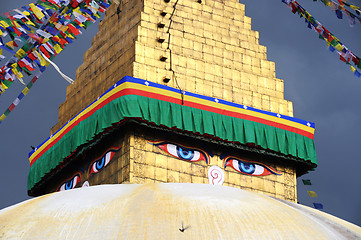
point(70, 184)
point(194, 154)
point(102, 162)
point(182, 152)
point(249, 168)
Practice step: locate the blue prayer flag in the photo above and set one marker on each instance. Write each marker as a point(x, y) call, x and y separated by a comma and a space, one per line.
point(318, 205)
point(338, 13)
point(357, 74)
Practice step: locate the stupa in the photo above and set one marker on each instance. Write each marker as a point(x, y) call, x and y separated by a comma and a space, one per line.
point(167, 90)
point(181, 92)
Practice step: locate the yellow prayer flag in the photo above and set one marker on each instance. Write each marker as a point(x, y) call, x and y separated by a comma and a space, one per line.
point(339, 47)
point(20, 53)
point(16, 72)
point(2, 117)
point(64, 11)
point(312, 194)
point(26, 90)
point(70, 35)
point(353, 69)
point(77, 10)
point(4, 24)
point(17, 25)
point(36, 11)
point(10, 44)
point(57, 48)
point(3, 86)
point(30, 23)
point(43, 62)
point(354, 7)
point(64, 28)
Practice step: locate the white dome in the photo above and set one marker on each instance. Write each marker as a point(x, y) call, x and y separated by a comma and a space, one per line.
point(158, 211)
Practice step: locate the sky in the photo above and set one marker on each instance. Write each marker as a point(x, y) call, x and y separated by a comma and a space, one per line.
point(322, 88)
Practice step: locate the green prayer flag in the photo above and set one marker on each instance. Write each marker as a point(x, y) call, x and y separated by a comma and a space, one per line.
point(7, 112)
point(87, 24)
point(7, 83)
point(30, 84)
point(334, 42)
point(306, 182)
point(359, 63)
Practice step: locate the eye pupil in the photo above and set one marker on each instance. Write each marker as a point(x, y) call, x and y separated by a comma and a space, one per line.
point(69, 185)
point(100, 164)
point(185, 153)
point(247, 167)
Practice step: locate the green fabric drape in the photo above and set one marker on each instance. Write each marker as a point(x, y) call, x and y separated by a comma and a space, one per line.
point(172, 115)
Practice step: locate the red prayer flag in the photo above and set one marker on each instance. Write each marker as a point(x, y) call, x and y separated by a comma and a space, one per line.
point(342, 58)
point(17, 31)
point(32, 56)
point(22, 64)
point(63, 42)
point(355, 60)
point(35, 37)
point(56, 39)
point(73, 29)
point(294, 7)
point(12, 106)
point(43, 50)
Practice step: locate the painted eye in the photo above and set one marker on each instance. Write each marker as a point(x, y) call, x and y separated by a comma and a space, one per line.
point(182, 152)
point(250, 168)
point(70, 184)
point(101, 163)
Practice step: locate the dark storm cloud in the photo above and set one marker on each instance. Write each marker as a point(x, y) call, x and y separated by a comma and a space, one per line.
point(323, 90)
point(321, 87)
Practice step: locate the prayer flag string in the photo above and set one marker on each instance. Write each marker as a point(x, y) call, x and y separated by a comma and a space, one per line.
point(312, 194)
point(23, 93)
point(333, 43)
point(45, 27)
point(339, 8)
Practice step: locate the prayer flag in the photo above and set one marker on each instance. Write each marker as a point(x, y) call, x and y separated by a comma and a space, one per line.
point(332, 49)
point(12, 106)
point(39, 15)
point(339, 47)
point(57, 48)
point(20, 53)
point(357, 74)
point(342, 58)
point(354, 7)
point(318, 205)
point(42, 60)
point(312, 194)
point(338, 13)
point(306, 182)
point(351, 21)
point(353, 69)
point(25, 91)
point(73, 30)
